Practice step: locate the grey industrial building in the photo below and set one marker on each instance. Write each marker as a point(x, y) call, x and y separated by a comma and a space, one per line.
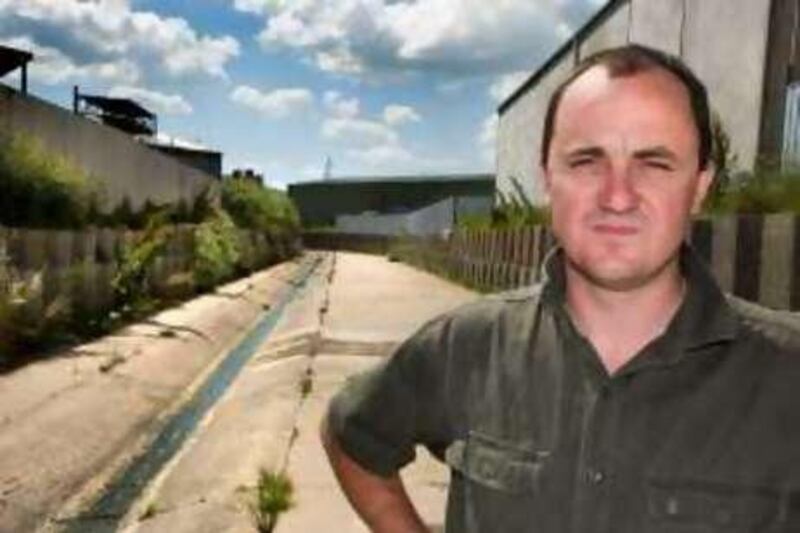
point(320, 202)
point(745, 51)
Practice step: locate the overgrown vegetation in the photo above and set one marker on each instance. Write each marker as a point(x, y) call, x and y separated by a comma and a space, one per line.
point(257, 207)
point(46, 309)
point(274, 495)
point(512, 210)
point(41, 189)
point(26, 324)
point(217, 250)
point(131, 281)
point(769, 188)
point(762, 192)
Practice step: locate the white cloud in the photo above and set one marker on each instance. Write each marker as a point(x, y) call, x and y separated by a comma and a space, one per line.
point(167, 104)
point(506, 84)
point(461, 37)
point(52, 67)
point(359, 132)
point(395, 115)
point(112, 30)
point(384, 156)
point(277, 103)
point(339, 106)
point(396, 159)
point(487, 138)
point(253, 6)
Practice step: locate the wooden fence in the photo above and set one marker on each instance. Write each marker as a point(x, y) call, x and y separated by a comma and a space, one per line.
point(756, 257)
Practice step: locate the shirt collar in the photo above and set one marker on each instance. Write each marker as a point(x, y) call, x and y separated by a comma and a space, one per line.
point(704, 318)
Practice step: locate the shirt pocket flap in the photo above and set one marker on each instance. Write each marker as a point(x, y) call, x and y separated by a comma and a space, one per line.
point(714, 504)
point(496, 464)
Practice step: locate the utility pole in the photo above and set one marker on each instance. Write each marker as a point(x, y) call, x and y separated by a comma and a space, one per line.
point(328, 170)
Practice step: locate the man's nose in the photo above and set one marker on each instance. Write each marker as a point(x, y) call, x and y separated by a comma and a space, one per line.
point(617, 192)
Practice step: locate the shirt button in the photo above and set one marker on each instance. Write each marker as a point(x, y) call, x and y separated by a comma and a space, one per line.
point(595, 477)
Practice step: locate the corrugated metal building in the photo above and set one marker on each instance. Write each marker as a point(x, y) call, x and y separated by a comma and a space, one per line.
point(745, 51)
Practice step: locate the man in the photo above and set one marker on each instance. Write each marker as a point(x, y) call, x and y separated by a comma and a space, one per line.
point(628, 394)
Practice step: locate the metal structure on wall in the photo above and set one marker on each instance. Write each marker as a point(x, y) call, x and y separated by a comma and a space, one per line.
point(12, 59)
point(120, 113)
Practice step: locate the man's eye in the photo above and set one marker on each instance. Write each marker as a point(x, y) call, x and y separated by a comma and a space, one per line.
point(580, 163)
point(659, 165)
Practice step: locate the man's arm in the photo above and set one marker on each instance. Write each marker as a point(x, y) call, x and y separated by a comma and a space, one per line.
point(381, 502)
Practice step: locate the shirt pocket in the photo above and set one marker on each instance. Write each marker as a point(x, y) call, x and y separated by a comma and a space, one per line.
point(497, 464)
point(695, 506)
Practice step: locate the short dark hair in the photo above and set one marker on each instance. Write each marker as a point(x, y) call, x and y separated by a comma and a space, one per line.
point(627, 61)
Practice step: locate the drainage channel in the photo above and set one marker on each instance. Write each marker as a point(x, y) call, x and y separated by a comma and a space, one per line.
point(117, 498)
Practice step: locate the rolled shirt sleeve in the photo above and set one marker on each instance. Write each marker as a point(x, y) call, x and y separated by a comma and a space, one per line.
point(379, 416)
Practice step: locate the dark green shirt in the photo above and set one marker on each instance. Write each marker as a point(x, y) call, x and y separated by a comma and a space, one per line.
point(699, 432)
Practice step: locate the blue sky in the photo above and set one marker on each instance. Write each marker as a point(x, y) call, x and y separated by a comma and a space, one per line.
point(382, 87)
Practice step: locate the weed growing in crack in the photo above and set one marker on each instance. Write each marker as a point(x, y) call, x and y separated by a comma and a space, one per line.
point(149, 512)
point(274, 496)
point(307, 383)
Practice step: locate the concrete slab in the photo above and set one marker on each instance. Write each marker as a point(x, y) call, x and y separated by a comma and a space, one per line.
point(67, 422)
point(250, 429)
point(319, 501)
point(265, 420)
point(373, 299)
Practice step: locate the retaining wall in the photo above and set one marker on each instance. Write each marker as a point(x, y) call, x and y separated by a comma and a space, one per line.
point(81, 265)
point(122, 166)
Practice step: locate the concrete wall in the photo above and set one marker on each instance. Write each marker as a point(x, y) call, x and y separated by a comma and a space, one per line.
point(81, 265)
point(123, 167)
point(614, 31)
point(206, 161)
point(519, 137)
point(723, 41)
point(658, 24)
point(783, 69)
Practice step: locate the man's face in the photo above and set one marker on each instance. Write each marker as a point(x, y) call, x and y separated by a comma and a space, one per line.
point(623, 175)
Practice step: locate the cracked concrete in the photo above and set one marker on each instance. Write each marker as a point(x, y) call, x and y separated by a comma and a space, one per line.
point(350, 315)
point(68, 422)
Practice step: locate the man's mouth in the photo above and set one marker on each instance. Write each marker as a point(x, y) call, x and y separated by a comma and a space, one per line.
point(615, 229)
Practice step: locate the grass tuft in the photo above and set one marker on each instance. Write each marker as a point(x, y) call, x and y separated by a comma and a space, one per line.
point(274, 496)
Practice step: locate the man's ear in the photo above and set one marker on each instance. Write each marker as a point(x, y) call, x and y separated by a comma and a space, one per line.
point(704, 180)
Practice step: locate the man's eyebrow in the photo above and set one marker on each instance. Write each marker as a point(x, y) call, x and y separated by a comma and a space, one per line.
point(660, 152)
point(585, 151)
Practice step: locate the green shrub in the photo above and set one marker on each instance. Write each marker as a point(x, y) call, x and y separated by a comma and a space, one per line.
point(40, 189)
point(724, 161)
point(274, 496)
point(28, 323)
point(512, 210)
point(768, 189)
point(761, 192)
point(253, 206)
point(216, 250)
point(130, 283)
